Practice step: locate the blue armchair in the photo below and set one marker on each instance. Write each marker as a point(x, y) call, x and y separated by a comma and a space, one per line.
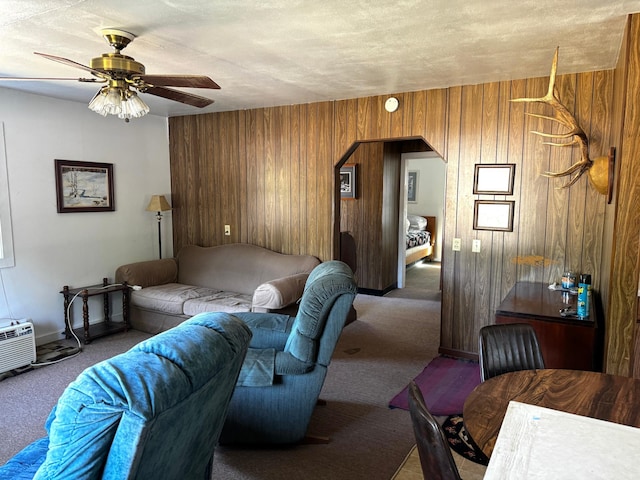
point(287, 361)
point(155, 411)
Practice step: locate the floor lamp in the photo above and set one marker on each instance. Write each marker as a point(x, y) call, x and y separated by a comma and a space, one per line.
point(159, 204)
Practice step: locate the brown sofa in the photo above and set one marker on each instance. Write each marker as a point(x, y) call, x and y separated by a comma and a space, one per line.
point(228, 278)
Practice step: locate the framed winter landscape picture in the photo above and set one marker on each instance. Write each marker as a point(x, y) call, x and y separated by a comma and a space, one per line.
point(84, 186)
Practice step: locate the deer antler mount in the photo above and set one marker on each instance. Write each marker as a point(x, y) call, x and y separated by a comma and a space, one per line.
point(600, 169)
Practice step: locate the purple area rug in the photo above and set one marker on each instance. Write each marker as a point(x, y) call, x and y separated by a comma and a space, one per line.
point(445, 384)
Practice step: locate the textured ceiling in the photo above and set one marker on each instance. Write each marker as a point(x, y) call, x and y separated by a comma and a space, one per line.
point(281, 52)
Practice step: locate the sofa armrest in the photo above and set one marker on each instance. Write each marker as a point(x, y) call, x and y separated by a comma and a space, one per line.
point(149, 273)
point(279, 293)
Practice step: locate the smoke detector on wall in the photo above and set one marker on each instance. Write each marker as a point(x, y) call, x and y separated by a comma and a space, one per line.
point(391, 105)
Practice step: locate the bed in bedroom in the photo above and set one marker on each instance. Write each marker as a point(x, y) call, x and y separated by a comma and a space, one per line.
point(420, 238)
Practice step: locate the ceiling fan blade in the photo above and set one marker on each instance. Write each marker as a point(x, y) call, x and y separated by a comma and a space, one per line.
point(191, 81)
point(182, 97)
point(71, 63)
point(32, 79)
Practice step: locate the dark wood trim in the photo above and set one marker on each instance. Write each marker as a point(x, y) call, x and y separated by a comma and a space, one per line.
point(452, 352)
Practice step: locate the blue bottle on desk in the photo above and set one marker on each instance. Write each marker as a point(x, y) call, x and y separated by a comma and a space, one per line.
point(584, 295)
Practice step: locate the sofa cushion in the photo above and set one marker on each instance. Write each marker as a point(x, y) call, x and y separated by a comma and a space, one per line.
point(168, 298)
point(238, 267)
point(218, 302)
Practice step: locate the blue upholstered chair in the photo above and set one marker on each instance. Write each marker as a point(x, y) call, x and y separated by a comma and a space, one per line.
point(155, 411)
point(287, 361)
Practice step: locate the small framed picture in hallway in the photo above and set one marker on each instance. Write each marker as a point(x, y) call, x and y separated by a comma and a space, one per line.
point(348, 182)
point(412, 186)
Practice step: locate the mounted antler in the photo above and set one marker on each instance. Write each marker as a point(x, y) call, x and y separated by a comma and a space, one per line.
point(564, 117)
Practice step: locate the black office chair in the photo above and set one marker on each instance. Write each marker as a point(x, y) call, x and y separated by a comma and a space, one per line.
point(508, 348)
point(435, 456)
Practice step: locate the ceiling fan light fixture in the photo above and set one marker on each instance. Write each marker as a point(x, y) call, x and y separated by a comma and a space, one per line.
point(118, 100)
point(133, 106)
point(124, 78)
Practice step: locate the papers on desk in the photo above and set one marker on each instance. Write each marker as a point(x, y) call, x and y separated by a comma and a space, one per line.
point(540, 443)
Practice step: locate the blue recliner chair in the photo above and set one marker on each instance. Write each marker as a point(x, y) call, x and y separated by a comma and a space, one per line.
point(155, 411)
point(287, 361)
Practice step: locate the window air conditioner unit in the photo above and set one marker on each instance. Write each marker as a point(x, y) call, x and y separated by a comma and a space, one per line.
point(17, 346)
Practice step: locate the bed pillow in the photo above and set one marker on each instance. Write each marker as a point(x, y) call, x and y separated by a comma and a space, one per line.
point(417, 222)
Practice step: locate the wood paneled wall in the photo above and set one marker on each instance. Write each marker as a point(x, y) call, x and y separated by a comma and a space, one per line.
point(362, 217)
point(372, 218)
point(623, 246)
point(270, 174)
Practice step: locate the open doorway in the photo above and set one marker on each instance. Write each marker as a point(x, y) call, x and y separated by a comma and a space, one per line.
point(368, 222)
point(422, 202)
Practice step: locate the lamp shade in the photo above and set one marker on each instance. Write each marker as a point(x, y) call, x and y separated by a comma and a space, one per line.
point(158, 204)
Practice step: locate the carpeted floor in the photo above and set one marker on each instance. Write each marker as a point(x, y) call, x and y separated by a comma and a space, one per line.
point(368, 440)
point(45, 355)
point(391, 341)
point(28, 398)
point(422, 282)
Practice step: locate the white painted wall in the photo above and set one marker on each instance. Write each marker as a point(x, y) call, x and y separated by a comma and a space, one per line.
point(76, 249)
point(430, 198)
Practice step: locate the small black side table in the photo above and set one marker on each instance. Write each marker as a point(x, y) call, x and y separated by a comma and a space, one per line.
point(105, 328)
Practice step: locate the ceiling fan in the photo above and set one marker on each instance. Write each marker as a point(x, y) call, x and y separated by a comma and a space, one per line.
point(123, 76)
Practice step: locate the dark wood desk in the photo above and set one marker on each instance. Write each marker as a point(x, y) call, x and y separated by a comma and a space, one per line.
point(591, 394)
point(565, 342)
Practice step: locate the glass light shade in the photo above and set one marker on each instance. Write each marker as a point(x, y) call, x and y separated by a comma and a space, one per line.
point(97, 103)
point(138, 107)
point(120, 101)
point(125, 110)
point(113, 104)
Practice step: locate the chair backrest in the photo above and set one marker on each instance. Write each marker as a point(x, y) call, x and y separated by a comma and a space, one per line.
point(508, 348)
point(155, 411)
point(435, 455)
point(329, 291)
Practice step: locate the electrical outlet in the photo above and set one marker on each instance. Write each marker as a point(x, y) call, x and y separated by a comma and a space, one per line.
point(227, 230)
point(475, 246)
point(457, 244)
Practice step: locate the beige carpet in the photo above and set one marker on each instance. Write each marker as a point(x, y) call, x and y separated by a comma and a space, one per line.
point(422, 282)
point(390, 343)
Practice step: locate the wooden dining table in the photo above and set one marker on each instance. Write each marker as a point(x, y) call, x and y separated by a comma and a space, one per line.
point(598, 395)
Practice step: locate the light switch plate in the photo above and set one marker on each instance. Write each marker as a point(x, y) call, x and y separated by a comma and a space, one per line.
point(475, 246)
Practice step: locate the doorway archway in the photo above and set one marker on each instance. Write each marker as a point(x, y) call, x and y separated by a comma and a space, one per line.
point(369, 222)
